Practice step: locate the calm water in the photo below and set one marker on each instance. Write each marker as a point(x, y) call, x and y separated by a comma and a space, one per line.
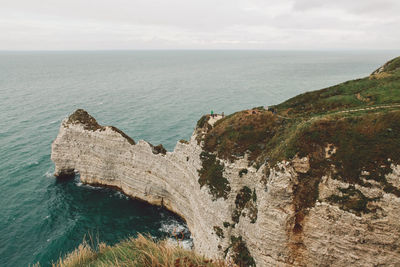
point(152, 95)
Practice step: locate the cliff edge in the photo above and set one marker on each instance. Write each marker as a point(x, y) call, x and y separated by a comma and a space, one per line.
point(312, 181)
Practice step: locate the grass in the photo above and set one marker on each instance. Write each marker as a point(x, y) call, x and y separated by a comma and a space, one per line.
point(202, 121)
point(363, 140)
point(244, 132)
point(390, 66)
point(135, 252)
point(343, 96)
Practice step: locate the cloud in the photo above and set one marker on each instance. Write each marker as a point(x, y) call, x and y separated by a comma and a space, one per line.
point(206, 24)
point(376, 8)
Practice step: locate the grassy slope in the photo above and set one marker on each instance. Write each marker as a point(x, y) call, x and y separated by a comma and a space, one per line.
point(134, 252)
point(377, 89)
point(360, 119)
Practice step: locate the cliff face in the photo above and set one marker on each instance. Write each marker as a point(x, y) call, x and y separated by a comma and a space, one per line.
point(265, 221)
point(316, 189)
point(105, 156)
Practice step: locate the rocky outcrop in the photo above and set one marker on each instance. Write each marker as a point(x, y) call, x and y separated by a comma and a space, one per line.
point(235, 210)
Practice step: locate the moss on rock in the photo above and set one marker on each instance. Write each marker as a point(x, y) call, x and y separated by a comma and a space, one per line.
point(240, 253)
point(243, 171)
point(159, 149)
point(353, 200)
point(212, 175)
point(81, 116)
point(245, 199)
point(219, 232)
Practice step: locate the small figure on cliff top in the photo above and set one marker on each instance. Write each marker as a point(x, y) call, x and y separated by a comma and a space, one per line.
point(223, 115)
point(212, 113)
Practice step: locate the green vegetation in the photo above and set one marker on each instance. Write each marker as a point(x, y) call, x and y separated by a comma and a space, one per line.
point(219, 232)
point(351, 131)
point(202, 127)
point(254, 196)
point(388, 188)
point(159, 149)
point(364, 143)
point(202, 121)
point(211, 175)
point(389, 67)
point(227, 224)
point(366, 92)
point(242, 171)
point(352, 199)
point(89, 123)
point(253, 213)
point(183, 141)
point(134, 252)
point(243, 197)
point(243, 132)
point(240, 252)
point(257, 131)
point(243, 200)
point(130, 140)
point(81, 116)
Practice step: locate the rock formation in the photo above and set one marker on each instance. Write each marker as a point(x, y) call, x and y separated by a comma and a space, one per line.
point(303, 206)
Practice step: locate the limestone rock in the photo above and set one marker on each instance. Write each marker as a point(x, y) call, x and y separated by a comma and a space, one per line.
point(258, 213)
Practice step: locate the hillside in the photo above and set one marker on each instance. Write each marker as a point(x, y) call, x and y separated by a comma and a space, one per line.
point(356, 123)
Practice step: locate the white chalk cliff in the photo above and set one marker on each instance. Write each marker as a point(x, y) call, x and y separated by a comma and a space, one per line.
point(260, 230)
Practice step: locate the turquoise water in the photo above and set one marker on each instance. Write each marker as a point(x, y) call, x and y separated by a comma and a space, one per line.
point(152, 95)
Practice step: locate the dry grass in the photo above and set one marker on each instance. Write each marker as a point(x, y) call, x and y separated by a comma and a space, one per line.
point(135, 252)
point(244, 131)
point(379, 76)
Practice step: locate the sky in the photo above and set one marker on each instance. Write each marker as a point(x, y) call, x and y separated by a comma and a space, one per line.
point(200, 24)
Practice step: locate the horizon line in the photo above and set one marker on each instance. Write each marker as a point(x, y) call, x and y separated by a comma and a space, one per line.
point(204, 49)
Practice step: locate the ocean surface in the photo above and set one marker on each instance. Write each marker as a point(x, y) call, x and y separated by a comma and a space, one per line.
point(153, 95)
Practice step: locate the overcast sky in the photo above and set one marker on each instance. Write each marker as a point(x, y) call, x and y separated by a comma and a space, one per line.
point(200, 24)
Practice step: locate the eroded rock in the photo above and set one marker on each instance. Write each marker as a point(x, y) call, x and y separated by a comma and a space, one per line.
point(260, 220)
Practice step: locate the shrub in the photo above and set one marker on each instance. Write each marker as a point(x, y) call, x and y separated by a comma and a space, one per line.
point(218, 231)
point(212, 175)
point(242, 171)
point(241, 254)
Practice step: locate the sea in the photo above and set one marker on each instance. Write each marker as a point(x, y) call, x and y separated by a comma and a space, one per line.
point(157, 96)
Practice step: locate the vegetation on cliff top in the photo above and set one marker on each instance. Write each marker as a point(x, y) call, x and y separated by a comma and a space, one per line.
point(81, 116)
point(135, 252)
point(351, 131)
point(89, 123)
point(367, 92)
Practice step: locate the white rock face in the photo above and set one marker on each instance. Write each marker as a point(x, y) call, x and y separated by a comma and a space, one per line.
point(329, 235)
